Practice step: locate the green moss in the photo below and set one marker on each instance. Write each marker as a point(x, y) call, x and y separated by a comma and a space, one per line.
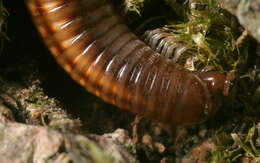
point(211, 33)
point(135, 6)
point(240, 147)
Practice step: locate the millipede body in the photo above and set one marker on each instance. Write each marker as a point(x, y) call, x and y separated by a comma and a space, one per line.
point(91, 42)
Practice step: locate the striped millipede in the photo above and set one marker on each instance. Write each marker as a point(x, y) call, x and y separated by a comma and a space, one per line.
point(90, 41)
point(166, 44)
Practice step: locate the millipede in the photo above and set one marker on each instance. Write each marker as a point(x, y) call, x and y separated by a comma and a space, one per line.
point(91, 42)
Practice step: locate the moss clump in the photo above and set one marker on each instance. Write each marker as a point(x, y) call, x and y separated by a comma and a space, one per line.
point(211, 34)
point(239, 145)
point(209, 31)
point(134, 6)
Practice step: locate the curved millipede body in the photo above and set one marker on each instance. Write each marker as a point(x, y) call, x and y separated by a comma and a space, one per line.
point(165, 43)
point(90, 41)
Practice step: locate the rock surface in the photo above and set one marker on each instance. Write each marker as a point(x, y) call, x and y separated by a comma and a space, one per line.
point(49, 134)
point(248, 14)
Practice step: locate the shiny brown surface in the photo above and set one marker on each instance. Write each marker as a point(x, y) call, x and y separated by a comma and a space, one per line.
point(90, 42)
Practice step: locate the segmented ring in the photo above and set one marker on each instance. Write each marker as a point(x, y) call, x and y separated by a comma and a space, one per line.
point(166, 44)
